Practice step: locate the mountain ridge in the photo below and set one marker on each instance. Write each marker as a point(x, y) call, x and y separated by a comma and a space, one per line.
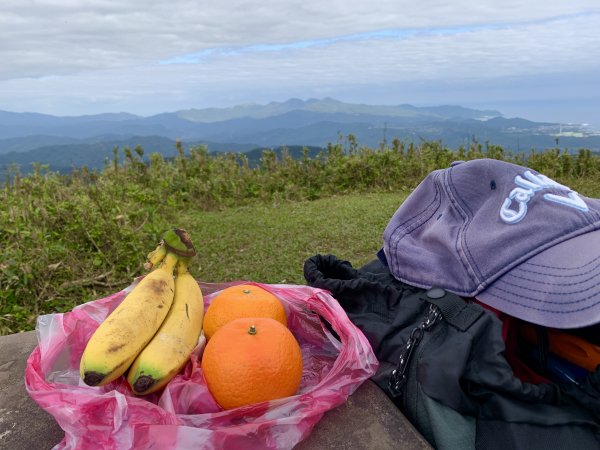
point(89, 139)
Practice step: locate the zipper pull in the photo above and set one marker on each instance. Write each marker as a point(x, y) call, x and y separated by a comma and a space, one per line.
point(398, 377)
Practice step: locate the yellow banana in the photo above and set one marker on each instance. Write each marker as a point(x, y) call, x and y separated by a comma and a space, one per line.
point(119, 339)
point(169, 350)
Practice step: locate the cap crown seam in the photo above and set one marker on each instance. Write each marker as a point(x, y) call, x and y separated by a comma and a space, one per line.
point(414, 222)
point(461, 246)
point(403, 226)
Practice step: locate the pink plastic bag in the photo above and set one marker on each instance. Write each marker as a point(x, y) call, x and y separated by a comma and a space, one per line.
point(184, 415)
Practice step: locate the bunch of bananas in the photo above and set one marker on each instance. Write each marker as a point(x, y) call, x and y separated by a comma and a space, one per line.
point(155, 328)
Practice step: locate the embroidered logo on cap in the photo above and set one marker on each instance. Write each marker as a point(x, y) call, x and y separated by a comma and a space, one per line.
point(526, 189)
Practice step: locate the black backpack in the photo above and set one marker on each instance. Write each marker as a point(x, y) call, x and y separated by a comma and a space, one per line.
point(443, 364)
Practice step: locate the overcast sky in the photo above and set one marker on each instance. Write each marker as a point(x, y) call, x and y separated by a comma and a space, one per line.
point(538, 59)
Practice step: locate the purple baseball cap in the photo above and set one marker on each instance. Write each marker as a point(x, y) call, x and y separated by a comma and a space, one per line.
point(505, 234)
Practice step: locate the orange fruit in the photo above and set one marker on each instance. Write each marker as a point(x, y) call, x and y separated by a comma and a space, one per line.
point(252, 360)
point(244, 300)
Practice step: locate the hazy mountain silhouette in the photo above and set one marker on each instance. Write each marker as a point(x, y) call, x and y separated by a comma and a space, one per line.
point(64, 142)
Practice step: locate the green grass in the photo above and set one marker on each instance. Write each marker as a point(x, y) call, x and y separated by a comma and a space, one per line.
point(269, 243)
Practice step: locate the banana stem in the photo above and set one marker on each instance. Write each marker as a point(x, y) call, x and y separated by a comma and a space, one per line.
point(178, 241)
point(175, 248)
point(169, 262)
point(182, 266)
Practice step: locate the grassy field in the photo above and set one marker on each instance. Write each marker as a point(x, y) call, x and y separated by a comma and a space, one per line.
point(269, 243)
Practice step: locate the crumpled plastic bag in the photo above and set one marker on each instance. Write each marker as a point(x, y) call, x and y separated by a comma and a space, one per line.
point(184, 415)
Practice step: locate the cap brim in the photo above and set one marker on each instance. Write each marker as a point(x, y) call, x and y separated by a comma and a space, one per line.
point(559, 287)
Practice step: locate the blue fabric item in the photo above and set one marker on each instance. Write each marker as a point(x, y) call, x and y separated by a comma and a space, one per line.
point(382, 258)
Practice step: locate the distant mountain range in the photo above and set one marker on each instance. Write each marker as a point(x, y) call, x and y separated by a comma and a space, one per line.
point(67, 142)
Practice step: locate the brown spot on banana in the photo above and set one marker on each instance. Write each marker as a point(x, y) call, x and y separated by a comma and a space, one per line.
point(115, 347)
point(158, 286)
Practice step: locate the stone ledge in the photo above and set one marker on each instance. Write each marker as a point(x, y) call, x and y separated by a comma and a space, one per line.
point(368, 420)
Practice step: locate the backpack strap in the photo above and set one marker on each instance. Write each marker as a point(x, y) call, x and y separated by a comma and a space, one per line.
point(454, 309)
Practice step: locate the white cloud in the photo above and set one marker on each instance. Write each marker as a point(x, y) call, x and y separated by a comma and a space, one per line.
point(76, 56)
point(63, 35)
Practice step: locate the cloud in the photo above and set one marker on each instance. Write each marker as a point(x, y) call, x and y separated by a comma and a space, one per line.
point(71, 57)
point(63, 36)
point(378, 35)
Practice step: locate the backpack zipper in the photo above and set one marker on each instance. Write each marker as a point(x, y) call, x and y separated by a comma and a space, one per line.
point(399, 376)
